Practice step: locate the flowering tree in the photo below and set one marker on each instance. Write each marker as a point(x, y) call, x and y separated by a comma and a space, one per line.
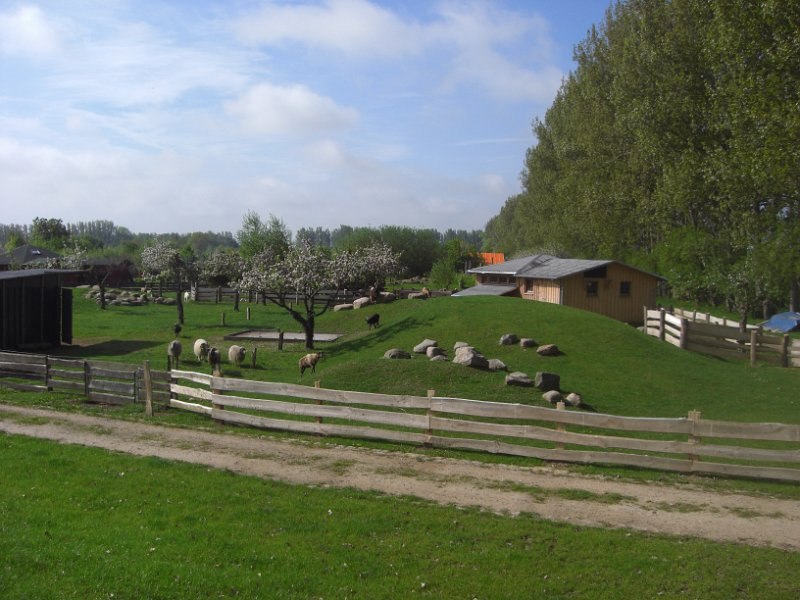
point(162, 262)
point(297, 281)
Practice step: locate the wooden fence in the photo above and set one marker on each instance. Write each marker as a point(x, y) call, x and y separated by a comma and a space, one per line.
point(677, 444)
point(722, 339)
point(107, 382)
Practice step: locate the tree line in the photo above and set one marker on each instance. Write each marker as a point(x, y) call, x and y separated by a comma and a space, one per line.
point(674, 146)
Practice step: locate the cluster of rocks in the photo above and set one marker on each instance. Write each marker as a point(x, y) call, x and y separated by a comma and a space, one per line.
point(380, 298)
point(116, 297)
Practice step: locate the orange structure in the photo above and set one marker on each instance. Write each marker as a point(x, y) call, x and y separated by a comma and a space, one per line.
point(493, 258)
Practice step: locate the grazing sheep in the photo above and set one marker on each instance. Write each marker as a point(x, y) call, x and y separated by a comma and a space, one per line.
point(373, 321)
point(187, 296)
point(309, 361)
point(236, 355)
point(201, 349)
point(173, 353)
point(214, 359)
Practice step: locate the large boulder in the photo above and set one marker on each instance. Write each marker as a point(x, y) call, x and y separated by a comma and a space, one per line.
point(387, 297)
point(548, 350)
point(433, 351)
point(495, 364)
point(508, 339)
point(519, 378)
point(470, 357)
point(527, 343)
point(553, 396)
point(573, 399)
point(458, 345)
point(360, 302)
point(423, 346)
point(547, 381)
point(396, 353)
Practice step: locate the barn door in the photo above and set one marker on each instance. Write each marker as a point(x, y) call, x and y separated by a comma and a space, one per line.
point(66, 315)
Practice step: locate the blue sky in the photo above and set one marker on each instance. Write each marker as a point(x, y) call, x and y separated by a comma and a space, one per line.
point(182, 116)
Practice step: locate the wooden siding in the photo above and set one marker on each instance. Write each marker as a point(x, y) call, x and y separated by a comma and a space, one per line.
point(609, 301)
point(543, 290)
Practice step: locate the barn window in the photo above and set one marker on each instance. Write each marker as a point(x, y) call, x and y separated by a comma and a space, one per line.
point(591, 288)
point(624, 288)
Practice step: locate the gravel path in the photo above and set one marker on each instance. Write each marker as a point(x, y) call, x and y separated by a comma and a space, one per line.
point(551, 492)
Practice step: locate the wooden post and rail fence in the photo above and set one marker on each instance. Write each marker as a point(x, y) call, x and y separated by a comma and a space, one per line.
point(687, 445)
point(722, 338)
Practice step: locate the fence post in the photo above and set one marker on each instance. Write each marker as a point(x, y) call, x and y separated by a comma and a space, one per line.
point(223, 319)
point(785, 351)
point(684, 339)
point(253, 357)
point(280, 340)
point(318, 385)
point(248, 313)
point(87, 378)
point(561, 406)
point(661, 324)
point(429, 430)
point(753, 346)
point(148, 390)
point(694, 417)
point(47, 373)
point(217, 392)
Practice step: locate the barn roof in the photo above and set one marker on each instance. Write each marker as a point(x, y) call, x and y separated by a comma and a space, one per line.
point(486, 290)
point(544, 266)
point(27, 273)
point(27, 254)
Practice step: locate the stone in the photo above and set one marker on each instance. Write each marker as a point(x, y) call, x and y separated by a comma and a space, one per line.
point(573, 399)
point(433, 351)
point(547, 381)
point(417, 296)
point(495, 364)
point(470, 357)
point(458, 345)
point(340, 307)
point(387, 297)
point(508, 339)
point(438, 357)
point(423, 346)
point(553, 396)
point(527, 342)
point(396, 353)
point(519, 378)
point(360, 302)
point(548, 350)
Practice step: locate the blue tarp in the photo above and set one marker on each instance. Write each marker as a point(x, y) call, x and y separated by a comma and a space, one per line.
point(783, 322)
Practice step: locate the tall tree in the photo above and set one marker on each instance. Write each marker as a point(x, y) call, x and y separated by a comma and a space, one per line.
point(162, 262)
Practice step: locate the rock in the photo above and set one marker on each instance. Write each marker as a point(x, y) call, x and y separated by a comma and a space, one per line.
point(527, 343)
point(470, 357)
point(396, 353)
point(573, 399)
point(553, 396)
point(359, 302)
point(438, 357)
point(508, 339)
point(519, 378)
point(339, 307)
point(387, 297)
point(433, 351)
point(417, 296)
point(423, 346)
point(547, 381)
point(548, 350)
point(458, 345)
point(495, 364)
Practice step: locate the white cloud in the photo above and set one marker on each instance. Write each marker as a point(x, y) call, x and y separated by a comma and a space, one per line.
point(279, 110)
point(353, 27)
point(26, 31)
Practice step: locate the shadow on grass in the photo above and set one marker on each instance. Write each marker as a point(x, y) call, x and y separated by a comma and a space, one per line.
point(382, 335)
point(108, 348)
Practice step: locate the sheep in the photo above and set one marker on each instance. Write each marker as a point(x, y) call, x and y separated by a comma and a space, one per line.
point(201, 349)
point(173, 353)
point(187, 296)
point(236, 355)
point(373, 321)
point(309, 361)
point(214, 360)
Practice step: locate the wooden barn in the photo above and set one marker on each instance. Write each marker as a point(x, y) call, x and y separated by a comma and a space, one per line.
point(607, 287)
point(35, 309)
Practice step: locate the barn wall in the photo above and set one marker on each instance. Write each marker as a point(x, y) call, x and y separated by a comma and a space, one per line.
point(543, 290)
point(609, 300)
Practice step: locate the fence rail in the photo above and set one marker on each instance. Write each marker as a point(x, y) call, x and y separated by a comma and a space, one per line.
point(496, 427)
point(721, 339)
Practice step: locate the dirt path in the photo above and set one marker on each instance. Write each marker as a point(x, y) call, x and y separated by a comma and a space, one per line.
point(550, 492)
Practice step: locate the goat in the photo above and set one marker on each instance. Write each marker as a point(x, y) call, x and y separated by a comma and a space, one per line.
point(201, 349)
point(236, 355)
point(214, 360)
point(309, 361)
point(174, 350)
point(373, 321)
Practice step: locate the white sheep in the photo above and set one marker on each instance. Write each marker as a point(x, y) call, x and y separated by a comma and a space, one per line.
point(187, 296)
point(201, 349)
point(309, 361)
point(174, 350)
point(236, 355)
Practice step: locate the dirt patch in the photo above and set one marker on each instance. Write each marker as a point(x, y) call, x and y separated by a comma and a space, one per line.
point(550, 492)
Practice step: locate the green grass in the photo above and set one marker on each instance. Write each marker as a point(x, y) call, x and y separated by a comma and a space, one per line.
point(82, 523)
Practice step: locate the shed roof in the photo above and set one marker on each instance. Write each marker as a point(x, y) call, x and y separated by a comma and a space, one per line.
point(27, 273)
point(544, 266)
point(25, 254)
point(486, 290)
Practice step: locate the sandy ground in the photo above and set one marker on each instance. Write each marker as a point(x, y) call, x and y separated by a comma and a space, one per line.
point(676, 510)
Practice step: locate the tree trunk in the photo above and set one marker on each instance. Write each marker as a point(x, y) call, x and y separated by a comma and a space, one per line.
point(102, 295)
point(236, 301)
point(179, 298)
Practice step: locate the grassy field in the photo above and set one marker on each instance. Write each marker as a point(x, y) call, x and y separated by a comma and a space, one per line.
point(82, 523)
